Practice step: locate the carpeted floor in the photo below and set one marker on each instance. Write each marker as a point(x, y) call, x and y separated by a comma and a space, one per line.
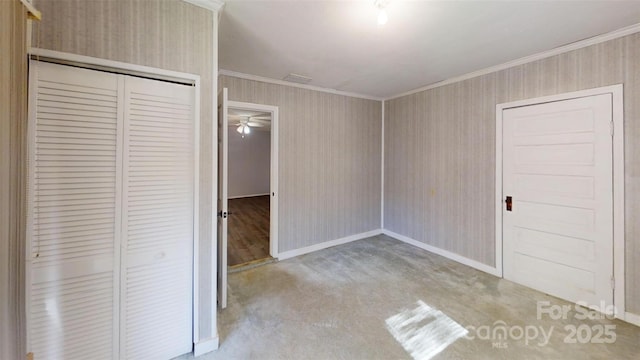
point(347, 302)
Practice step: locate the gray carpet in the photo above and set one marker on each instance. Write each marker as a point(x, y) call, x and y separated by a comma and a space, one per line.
point(335, 304)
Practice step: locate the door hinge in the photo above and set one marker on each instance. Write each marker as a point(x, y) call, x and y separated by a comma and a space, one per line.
point(611, 127)
point(613, 282)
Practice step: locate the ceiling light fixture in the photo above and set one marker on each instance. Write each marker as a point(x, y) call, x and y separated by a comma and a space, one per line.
point(382, 17)
point(382, 13)
point(244, 128)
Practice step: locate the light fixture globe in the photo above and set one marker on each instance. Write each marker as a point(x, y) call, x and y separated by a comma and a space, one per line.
point(382, 13)
point(382, 17)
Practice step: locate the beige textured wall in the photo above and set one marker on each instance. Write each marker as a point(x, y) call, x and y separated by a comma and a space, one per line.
point(13, 121)
point(329, 161)
point(166, 34)
point(440, 150)
point(249, 163)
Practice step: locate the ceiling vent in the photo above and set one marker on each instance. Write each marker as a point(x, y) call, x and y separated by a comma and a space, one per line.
point(300, 79)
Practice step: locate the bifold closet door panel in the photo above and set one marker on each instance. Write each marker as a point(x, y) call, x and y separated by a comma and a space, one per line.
point(158, 186)
point(73, 212)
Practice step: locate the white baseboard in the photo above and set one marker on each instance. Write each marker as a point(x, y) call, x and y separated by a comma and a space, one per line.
point(632, 318)
point(205, 346)
point(305, 250)
point(455, 257)
point(246, 196)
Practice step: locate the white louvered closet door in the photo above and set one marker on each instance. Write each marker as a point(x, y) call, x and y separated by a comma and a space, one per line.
point(111, 215)
point(157, 265)
point(74, 194)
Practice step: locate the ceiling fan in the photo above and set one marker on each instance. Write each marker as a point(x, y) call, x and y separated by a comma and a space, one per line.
point(245, 123)
point(244, 128)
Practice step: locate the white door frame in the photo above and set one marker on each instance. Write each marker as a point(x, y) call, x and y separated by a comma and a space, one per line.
point(273, 178)
point(94, 63)
point(618, 180)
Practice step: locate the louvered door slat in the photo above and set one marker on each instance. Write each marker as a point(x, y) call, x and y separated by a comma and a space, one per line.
point(158, 187)
point(73, 197)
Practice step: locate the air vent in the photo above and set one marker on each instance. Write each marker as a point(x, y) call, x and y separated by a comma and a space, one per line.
point(300, 79)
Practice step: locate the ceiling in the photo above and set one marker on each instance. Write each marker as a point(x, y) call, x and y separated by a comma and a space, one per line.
point(340, 46)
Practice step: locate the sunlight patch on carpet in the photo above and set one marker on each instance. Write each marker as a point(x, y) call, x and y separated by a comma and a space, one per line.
point(424, 331)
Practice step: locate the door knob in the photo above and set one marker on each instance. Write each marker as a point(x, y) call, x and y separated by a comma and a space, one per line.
point(509, 203)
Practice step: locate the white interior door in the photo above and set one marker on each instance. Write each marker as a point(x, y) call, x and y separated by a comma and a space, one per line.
point(223, 210)
point(157, 228)
point(557, 170)
point(73, 233)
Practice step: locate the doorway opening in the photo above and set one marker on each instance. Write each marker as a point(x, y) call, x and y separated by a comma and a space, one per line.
point(249, 157)
point(247, 187)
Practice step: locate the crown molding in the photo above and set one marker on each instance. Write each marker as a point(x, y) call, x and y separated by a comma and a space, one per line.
point(213, 5)
point(527, 59)
point(302, 86)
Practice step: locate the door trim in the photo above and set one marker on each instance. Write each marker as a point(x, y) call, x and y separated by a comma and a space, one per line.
point(273, 177)
point(616, 92)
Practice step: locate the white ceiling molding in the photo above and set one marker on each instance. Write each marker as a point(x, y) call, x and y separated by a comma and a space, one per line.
point(302, 86)
point(213, 5)
point(527, 59)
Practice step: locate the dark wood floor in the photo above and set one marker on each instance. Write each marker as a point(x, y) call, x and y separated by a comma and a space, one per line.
point(248, 230)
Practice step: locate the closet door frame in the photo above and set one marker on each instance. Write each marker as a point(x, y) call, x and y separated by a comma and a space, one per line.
point(121, 68)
